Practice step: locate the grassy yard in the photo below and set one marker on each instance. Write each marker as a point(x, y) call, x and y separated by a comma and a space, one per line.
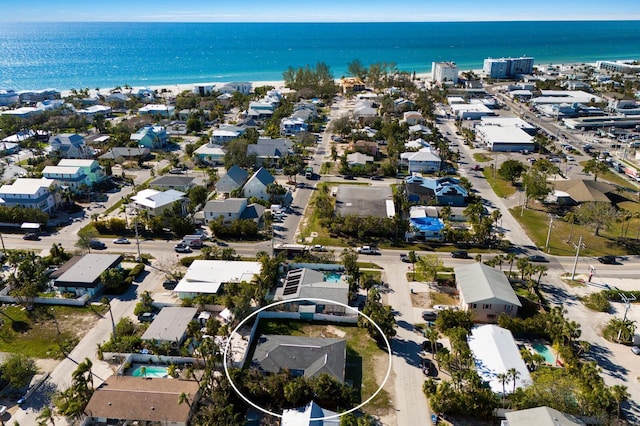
point(481, 157)
point(363, 355)
point(502, 188)
point(44, 331)
point(614, 178)
point(536, 224)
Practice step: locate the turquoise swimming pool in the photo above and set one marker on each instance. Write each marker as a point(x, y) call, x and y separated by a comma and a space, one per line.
point(545, 351)
point(150, 371)
point(333, 277)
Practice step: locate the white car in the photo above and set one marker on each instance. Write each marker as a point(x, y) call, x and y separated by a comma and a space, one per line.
point(570, 158)
point(121, 240)
point(367, 250)
point(317, 247)
point(445, 307)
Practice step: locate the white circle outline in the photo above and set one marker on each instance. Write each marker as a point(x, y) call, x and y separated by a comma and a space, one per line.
point(281, 302)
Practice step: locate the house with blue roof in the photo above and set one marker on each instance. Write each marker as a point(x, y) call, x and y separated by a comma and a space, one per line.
point(152, 137)
point(232, 180)
point(444, 191)
point(423, 227)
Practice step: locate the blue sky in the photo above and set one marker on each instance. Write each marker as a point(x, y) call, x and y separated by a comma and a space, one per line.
point(317, 11)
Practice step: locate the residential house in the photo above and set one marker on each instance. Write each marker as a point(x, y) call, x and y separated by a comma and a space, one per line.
point(179, 183)
point(8, 148)
point(425, 160)
point(23, 112)
point(269, 151)
point(309, 415)
point(135, 400)
point(445, 191)
point(152, 137)
point(232, 180)
point(352, 84)
point(424, 227)
point(365, 112)
point(207, 276)
point(117, 99)
point(162, 110)
point(80, 275)
point(226, 133)
point(154, 202)
point(574, 192)
point(412, 118)
point(71, 177)
point(495, 352)
point(120, 154)
point(90, 112)
point(402, 104)
point(292, 126)
point(210, 153)
point(33, 96)
point(365, 147)
point(540, 416)
point(416, 144)
point(232, 209)
point(204, 89)
point(420, 129)
point(28, 192)
point(9, 97)
point(358, 159)
point(170, 326)
point(225, 99)
point(486, 292)
point(257, 184)
point(306, 283)
point(243, 87)
point(69, 145)
point(91, 169)
point(176, 127)
point(301, 356)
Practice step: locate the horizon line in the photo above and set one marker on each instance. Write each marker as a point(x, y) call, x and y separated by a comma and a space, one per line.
point(595, 19)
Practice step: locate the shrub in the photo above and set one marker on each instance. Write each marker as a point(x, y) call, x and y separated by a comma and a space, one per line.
point(136, 270)
point(597, 302)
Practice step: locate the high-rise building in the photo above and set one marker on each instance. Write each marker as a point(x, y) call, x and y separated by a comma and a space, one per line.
point(444, 71)
point(507, 67)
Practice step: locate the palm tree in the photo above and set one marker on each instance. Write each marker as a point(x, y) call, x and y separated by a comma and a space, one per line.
point(45, 416)
point(514, 375)
point(184, 397)
point(503, 377)
point(106, 302)
point(620, 395)
point(510, 257)
point(571, 218)
point(432, 334)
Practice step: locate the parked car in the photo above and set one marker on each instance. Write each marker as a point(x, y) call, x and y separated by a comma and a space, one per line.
point(31, 236)
point(477, 168)
point(570, 158)
point(405, 258)
point(537, 258)
point(146, 317)
point(367, 250)
point(169, 284)
point(607, 260)
point(635, 350)
point(429, 315)
point(426, 346)
point(97, 245)
point(445, 307)
point(121, 240)
point(377, 177)
point(428, 367)
point(182, 248)
point(460, 254)
point(176, 171)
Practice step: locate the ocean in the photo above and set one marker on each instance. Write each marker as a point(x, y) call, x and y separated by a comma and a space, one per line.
point(104, 55)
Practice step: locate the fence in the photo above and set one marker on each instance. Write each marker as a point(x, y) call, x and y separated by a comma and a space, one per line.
point(80, 301)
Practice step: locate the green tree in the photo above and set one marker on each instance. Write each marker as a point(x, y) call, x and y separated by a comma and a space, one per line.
point(596, 167)
point(18, 369)
point(197, 197)
point(112, 279)
point(356, 69)
point(535, 185)
point(72, 401)
point(45, 416)
point(597, 215)
point(85, 236)
point(427, 267)
point(511, 170)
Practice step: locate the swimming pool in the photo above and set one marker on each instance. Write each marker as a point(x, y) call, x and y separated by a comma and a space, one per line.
point(150, 371)
point(545, 351)
point(333, 277)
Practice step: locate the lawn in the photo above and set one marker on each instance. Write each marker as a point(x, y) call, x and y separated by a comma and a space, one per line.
point(363, 355)
point(44, 331)
point(481, 157)
point(502, 188)
point(614, 178)
point(536, 224)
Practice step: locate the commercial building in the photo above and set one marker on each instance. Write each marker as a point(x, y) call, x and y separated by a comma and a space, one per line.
point(444, 72)
point(505, 139)
point(507, 67)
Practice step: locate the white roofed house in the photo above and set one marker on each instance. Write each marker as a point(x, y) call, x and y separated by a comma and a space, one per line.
point(91, 168)
point(210, 153)
point(425, 160)
point(243, 87)
point(486, 292)
point(161, 110)
point(207, 276)
point(226, 133)
point(154, 202)
point(71, 177)
point(27, 192)
point(365, 111)
point(412, 118)
point(90, 112)
point(69, 145)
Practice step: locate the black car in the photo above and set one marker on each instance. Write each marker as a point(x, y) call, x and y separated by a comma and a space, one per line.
point(429, 315)
point(97, 245)
point(460, 254)
point(405, 258)
point(607, 260)
point(537, 258)
point(31, 236)
point(169, 284)
point(428, 367)
point(426, 346)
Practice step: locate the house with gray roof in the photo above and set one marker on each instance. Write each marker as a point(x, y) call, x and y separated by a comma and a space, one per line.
point(81, 274)
point(119, 154)
point(425, 160)
point(232, 209)
point(69, 145)
point(486, 292)
point(179, 183)
point(232, 180)
point(302, 356)
point(305, 283)
point(257, 184)
point(170, 326)
point(445, 191)
point(540, 416)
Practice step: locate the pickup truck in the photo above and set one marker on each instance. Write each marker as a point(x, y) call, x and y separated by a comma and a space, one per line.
point(367, 250)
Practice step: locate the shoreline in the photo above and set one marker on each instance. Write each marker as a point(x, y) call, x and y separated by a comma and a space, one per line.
point(177, 88)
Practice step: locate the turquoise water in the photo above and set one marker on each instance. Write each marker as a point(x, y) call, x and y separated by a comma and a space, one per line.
point(106, 54)
point(545, 351)
point(151, 371)
point(333, 277)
